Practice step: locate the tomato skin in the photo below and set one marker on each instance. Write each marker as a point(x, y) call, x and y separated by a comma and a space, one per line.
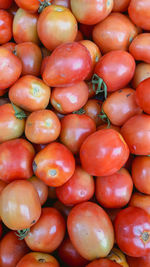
point(116, 68)
point(141, 201)
point(105, 126)
point(69, 255)
point(13, 71)
point(5, 4)
point(139, 12)
point(41, 188)
point(10, 45)
point(5, 26)
point(142, 95)
point(140, 262)
point(54, 164)
point(10, 126)
point(117, 187)
point(57, 73)
point(103, 263)
point(139, 47)
point(75, 129)
point(37, 259)
point(84, 224)
point(28, 5)
point(136, 134)
point(19, 194)
point(47, 234)
point(98, 155)
point(70, 98)
point(42, 127)
point(56, 25)
point(92, 11)
point(120, 6)
point(142, 72)
point(65, 3)
point(92, 109)
point(34, 94)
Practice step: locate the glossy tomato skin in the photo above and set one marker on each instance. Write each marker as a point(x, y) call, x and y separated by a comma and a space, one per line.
point(75, 129)
point(47, 234)
point(92, 11)
point(11, 250)
point(103, 263)
point(65, 3)
point(136, 134)
point(84, 225)
point(142, 95)
point(114, 191)
point(5, 26)
point(120, 6)
point(140, 262)
point(37, 259)
point(93, 108)
point(13, 71)
point(34, 94)
point(60, 71)
point(141, 201)
point(19, 194)
point(116, 68)
point(139, 47)
point(69, 254)
point(142, 72)
point(103, 152)
point(56, 25)
point(5, 4)
point(54, 164)
point(29, 5)
point(41, 188)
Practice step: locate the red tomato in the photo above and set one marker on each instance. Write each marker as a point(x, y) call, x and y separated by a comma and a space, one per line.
point(10, 45)
point(47, 234)
point(140, 262)
point(22, 196)
point(120, 6)
point(103, 263)
point(10, 66)
point(142, 95)
point(141, 201)
point(140, 49)
point(31, 6)
point(75, 129)
point(43, 64)
point(104, 152)
point(114, 191)
point(136, 134)
point(93, 109)
point(40, 187)
point(90, 230)
point(5, 4)
point(54, 164)
point(5, 26)
point(12, 250)
point(69, 63)
point(63, 209)
point(91, 11)
point(37, 259)
point(142, 72)
point(69, 255)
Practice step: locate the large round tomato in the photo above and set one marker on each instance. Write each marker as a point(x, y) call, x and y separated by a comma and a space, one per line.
point(31, 6)
point(140, 49)
point(142, 72)
point(143, 95)
point(5, 26)
point(140, 262)
point(5, 4)
point(141, 201)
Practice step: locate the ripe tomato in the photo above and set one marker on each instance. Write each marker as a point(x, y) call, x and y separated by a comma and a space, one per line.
point(60, 69)
point(132, 228)
point(93, 109)
point(47, 234)
point(120, 6)
point(11, 124)
point(114, 191)
point(116, 69)
point(54, 164)
point(136, 134)
point(10, 45)
point(34, 94)
point(43, 64)
point(90, 230)
point(25, 27)
point(140, 49)
point(2, 185)
point(69, 255)
point(37, 259)
point(56, 25)
point(5, 4)
point(63, 209)
point(103, 263)
point(70, 98)
point(140, 262)
point(31, 6)
point(75, 129)
point(142, 72)
point(142, 95)
point(141, 201)
point(104, 152)
point(22, 196)
point(11, 250)
point(5, 26)
point(41, 188)
point(92, 11)
point(10, 66)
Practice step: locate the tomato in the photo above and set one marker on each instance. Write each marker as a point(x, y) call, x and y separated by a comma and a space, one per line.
point(106, 34)
point(22, 196)
point(117, 256)
point(11, 250)
point(120, 6)
point(141, 201)
point(5, 4)
point(65, 3)
point(5, 26)
point(103, 152)
point(41, 188)
point(42, 127)
point(75, 129)
point(43, 64)
point(116, 69)
point(114, 191)
point(136, 134)
point(121, 106)
point(79, 188)
point(54, 164)
point(139, 12)
point(79, 36)
point(105, 126)
point(69, 255)
point(37, 259)
point(139, 47)
point(142, 72)
point(25, 27)
point(103, 263)
point(11, 124)
point(10, 66)
point(47, 234)
point(2, 185)
point(56, 25)
point(93, 109)
point(34, 94)
point(70, 98)
point(10, 45)
point(90, 230)
point(140, 262)
point(31, 6)
point(142, 95)
point(92, 11)
point(60, 69)
point(63, 209)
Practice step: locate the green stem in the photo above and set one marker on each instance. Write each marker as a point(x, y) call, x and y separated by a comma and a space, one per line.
point(80, 111)
point(101, 85)
point(43, 4)
point(19, 114)
point(104, 118)
point(21, 234)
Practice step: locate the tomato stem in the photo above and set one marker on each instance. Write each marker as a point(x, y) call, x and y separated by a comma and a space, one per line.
point(104, 118)
point(21, 234)
point(19, 114)
point(80, 111)
point(43, 4)
point(101, 85)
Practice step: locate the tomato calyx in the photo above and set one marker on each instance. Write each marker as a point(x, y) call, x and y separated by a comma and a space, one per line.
point(101, 85)
point(42, 260)
point(145, 236)
point(21, 234)
point(104, 118)
point(80, 111)
point(43, 4)
point(19, 114)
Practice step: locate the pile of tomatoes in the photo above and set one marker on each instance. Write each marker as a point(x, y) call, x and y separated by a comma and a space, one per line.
point(74, 133)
